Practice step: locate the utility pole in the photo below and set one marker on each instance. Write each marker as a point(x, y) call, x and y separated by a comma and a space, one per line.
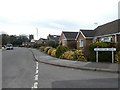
point(37, 33)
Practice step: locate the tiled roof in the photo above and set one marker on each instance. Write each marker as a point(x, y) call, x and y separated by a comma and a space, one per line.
point(70, 35)
point(108, 28)
point(88, 33)
point(54, 37)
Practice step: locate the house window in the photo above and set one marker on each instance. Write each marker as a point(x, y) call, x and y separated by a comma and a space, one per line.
point(106, 39)
point(81, 43)
point(63, 42)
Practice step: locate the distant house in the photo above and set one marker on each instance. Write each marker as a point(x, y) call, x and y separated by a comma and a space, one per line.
point(84, 38)
point(53, 38)
point(41, 41)
point(68, 39)
point(109, 32)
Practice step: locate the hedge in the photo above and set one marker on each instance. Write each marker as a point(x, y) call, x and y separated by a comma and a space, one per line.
point(60, 50)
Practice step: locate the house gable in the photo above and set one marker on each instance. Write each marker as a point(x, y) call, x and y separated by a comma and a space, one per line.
point(68, 39)
point(62, 39)
point(84, 39)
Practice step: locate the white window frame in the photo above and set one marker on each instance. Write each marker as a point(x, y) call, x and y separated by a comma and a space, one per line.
point(106, 39)
point(63, 42)
point(81, 42)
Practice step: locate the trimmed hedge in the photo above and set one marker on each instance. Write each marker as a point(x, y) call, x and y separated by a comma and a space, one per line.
point(79, 55)
point(50, 50)
point(53, 53)
point(46, 49)
point(60, 50)
point(117, 57)
point(42, 48)
point(68, 55)
point(103, 56)
point(74, 55)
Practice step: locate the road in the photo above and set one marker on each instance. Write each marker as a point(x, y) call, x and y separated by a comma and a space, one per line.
point(20, 70)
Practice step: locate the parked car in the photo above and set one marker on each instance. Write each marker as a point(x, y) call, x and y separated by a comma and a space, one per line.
point(3, 46)
point(9, 47)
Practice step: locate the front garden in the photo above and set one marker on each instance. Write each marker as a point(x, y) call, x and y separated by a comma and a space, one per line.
point(63, 52)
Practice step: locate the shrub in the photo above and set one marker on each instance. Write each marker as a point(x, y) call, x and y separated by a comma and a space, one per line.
point(78, 55)
point(42, 48)
point(35, 46)
point(68, 55)
point(50, 50)
point(117, 46)
point(117, 57)
point(103, 56)
point(60, 50)
point(52, 43)
point(53, 53)
point(46, 49)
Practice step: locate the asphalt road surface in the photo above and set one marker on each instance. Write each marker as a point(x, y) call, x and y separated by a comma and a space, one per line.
point(20, 70)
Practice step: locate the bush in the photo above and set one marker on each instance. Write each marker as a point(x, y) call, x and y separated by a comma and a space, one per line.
point(52, 43)
point(36, 46)
point(103, 56)
point(46, 49)
point(78, 55)
point(53, 53)
point(60, 50)
point(117, 46)
point(50, 50)
point(74, 55)
point(117, 57)
point(68, 55)
point(42, 48)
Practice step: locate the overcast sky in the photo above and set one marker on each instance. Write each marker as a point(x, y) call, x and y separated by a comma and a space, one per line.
point(53, 16)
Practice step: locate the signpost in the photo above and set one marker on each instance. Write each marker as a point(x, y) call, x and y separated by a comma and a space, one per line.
point(105, 49)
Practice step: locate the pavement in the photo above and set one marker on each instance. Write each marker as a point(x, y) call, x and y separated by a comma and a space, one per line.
point(94, 66)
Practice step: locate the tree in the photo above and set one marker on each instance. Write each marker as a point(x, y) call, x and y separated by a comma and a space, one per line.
point(13, 39)
point(5, 39)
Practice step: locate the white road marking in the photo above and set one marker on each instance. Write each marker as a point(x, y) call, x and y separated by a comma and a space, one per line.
point(36, 65)
point(36, 62)
point(36, 71)
point(35, 85)
point(36, 77)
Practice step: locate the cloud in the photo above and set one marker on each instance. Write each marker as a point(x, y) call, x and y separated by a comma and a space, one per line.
point(24, 16)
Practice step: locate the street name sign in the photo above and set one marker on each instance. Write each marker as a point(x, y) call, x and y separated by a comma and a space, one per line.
point(104, 49)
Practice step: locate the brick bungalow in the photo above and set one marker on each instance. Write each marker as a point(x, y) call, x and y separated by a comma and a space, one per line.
point(109, 32)
point(68, 39)
point(84, 38)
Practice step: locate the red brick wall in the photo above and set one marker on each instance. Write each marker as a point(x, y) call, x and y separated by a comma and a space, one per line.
point(72, 44)
point(85, 41)
point(88, 42)
point(78, 41)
